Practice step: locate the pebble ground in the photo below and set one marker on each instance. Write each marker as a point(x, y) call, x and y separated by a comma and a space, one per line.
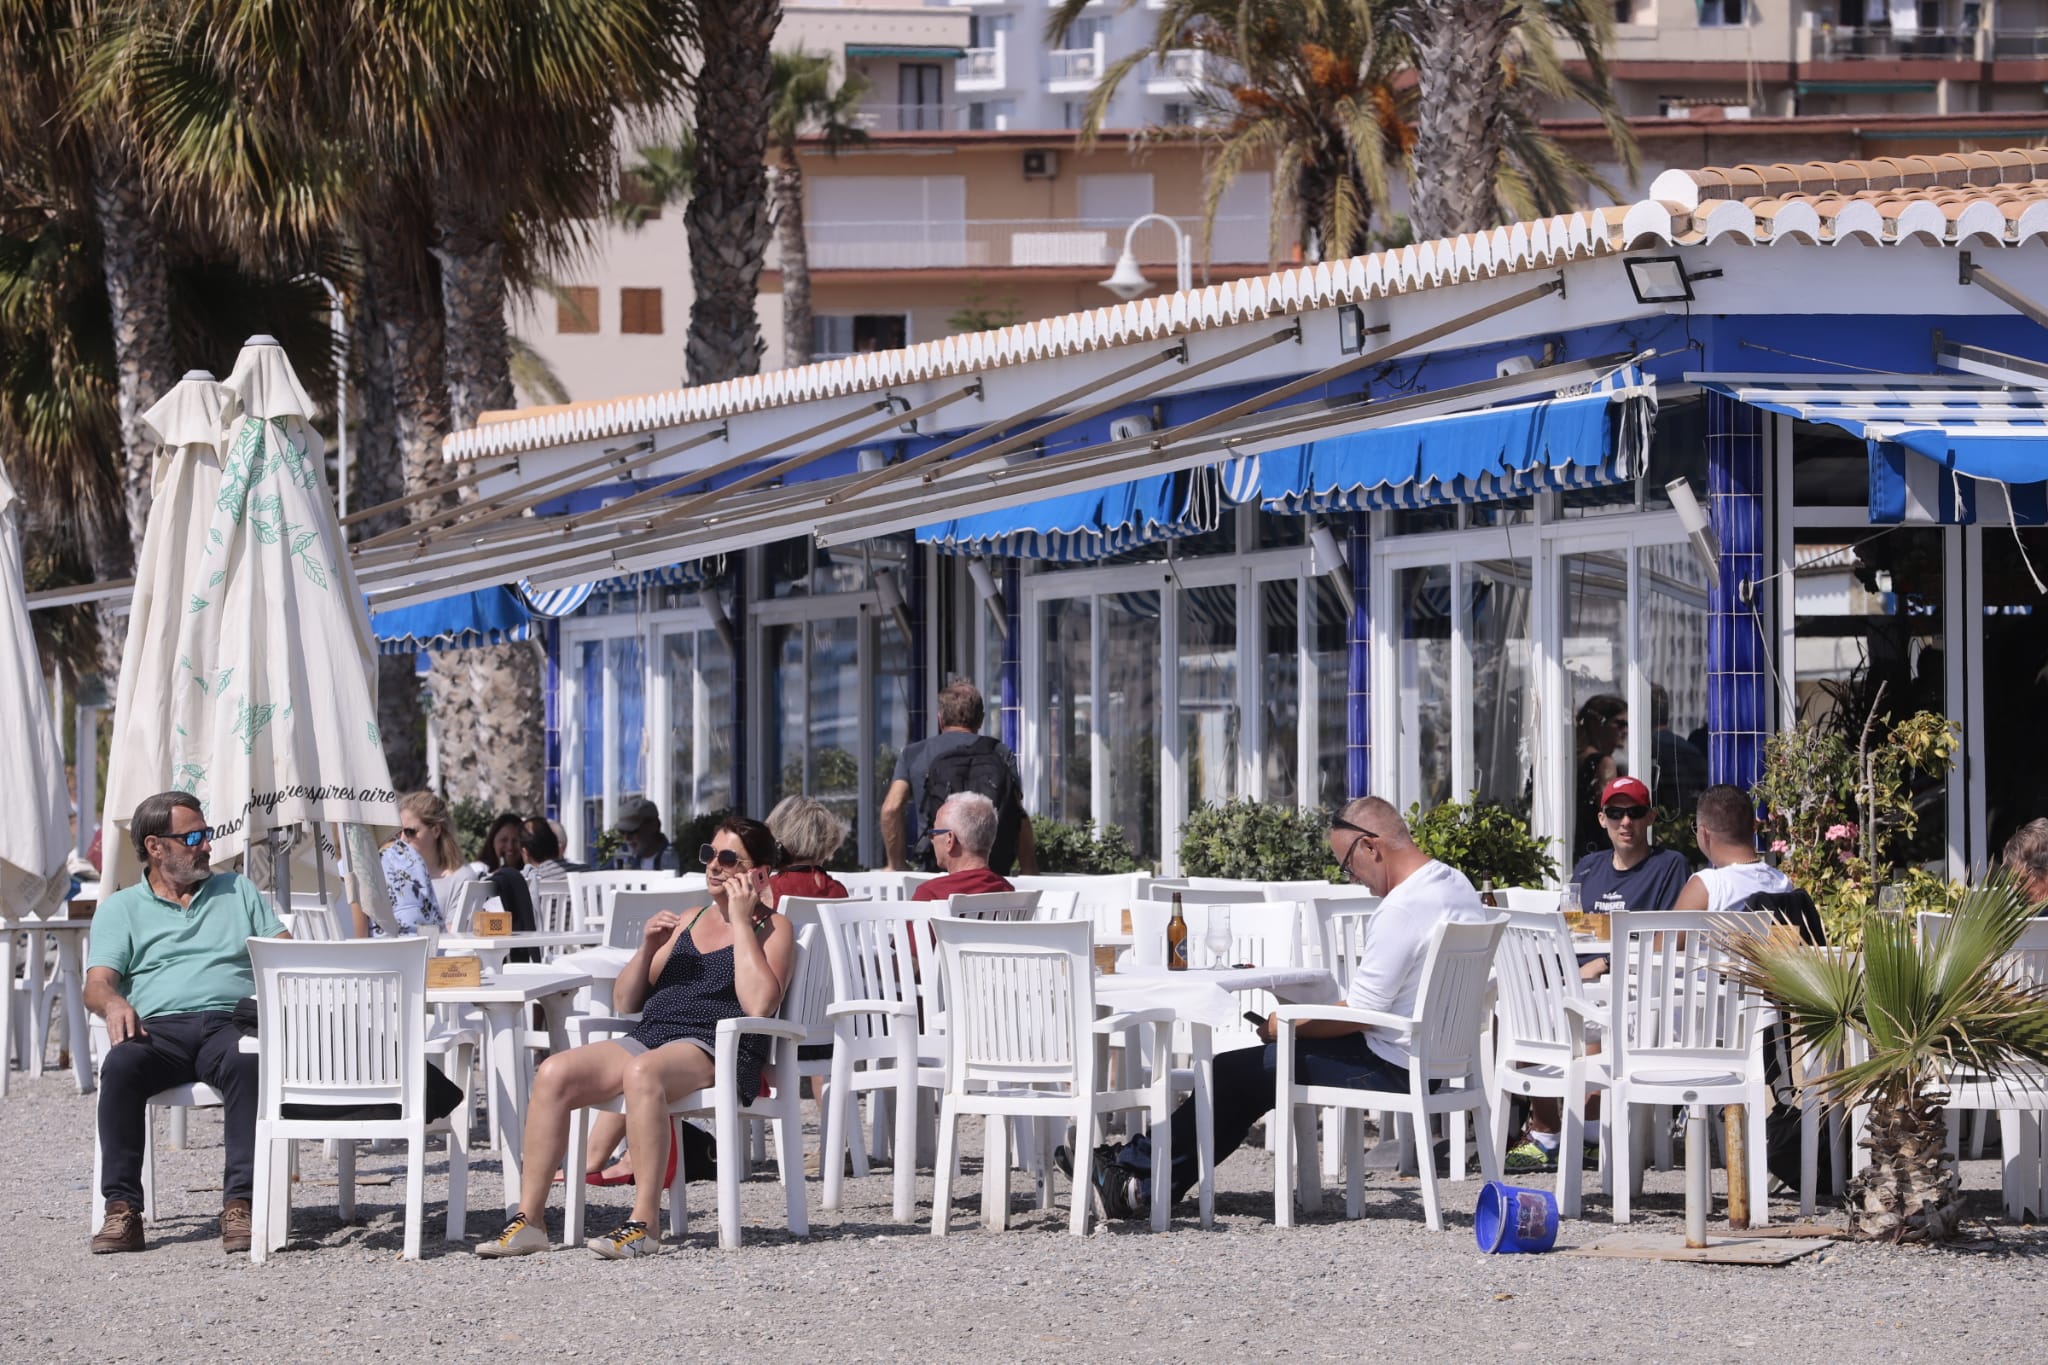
point(861, 1288)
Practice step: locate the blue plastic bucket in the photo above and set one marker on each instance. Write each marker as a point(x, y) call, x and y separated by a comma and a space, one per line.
point(1511, 1219)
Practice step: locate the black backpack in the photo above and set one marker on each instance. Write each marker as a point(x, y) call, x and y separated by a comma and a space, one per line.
point(983, 767)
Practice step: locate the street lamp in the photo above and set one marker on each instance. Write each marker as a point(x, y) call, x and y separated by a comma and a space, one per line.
point(1127, 281)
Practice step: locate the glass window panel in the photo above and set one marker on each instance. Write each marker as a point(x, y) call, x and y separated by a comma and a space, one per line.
point(1209, 719)
point(679, 667)
point(834, 718)
point(1280, 683)
point(841, 569)
point(1830, 468)
point(590, 686)
point(1867, 616)
point(788, 564)
point(2015, 687)
point(1421, 520)
point(1510, 512)
point(784, 647)
point(1333, 691)
point(1596, 684)
point(717, 710)
point(1423, 601)
point(1130, 723)
point(623, 658)
point(1678, 450)
point(1504, 737)
point(1277, 530)
point(1673, 625)
point(892, 704)
point(1068, 710)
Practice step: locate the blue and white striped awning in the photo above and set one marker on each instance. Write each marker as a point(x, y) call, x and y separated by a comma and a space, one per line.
point(1583, 438)
point(470, 620)
point(1080, 527)
point(553, 602)
point(1940, 451)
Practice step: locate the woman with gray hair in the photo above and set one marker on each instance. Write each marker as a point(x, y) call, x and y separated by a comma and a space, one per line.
point(810, 834)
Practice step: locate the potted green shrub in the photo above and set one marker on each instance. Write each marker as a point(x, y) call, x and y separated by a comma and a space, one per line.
point(1079, 848)
point(1256, 841)
point(1484, 841)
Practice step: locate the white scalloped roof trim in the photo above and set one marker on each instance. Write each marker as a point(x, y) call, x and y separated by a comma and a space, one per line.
point(1401, 270)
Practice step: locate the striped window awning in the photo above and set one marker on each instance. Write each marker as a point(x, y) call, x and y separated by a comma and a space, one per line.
point(470, 620)
point(565, 601)
point(1583, 438)
point(1081, 527)
point(1940, 451)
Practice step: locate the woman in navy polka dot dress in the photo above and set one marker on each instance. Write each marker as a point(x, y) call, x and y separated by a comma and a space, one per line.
point(732, 958)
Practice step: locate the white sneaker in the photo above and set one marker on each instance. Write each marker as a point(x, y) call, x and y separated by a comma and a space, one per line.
point(520, 1238)
point(624, 1242)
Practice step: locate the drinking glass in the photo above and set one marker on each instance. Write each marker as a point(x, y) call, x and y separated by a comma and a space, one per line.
point(1891, 901)
point(1568, 901)
point(1218, 936)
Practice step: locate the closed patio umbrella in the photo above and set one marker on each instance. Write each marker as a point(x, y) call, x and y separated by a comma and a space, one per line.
point(248, 674)
point(35, 836)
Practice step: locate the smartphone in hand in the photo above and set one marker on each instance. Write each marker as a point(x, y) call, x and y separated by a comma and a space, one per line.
point(1255, 1019)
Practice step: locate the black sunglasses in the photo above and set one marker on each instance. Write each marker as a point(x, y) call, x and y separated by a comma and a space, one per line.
point(1344, 867)
point(724, 857)
point(190, 839)
point(1626, 812)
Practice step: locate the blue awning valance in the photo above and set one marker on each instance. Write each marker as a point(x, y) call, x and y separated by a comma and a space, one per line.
point(1585, 439)
point(470, 620)
point(552, 602)
point(1078, 527)
point(1939, 451)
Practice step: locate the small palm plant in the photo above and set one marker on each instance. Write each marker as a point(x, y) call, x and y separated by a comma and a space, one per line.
point(1920, 1013)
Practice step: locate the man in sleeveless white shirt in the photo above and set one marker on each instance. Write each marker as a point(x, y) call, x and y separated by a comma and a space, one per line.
point(1727, 836)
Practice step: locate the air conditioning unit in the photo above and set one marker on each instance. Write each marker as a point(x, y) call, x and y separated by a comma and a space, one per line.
point(1128, 428)
point(1041, 163)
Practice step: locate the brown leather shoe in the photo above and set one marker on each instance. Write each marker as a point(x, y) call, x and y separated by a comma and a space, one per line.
point(235, 1224)
point(122, 1231)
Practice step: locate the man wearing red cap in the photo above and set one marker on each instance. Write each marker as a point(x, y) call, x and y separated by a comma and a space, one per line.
point(1628, 875)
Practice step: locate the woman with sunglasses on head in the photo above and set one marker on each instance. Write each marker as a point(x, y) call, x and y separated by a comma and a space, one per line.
point(425, 825)
point(410, 865)
point(734, 957)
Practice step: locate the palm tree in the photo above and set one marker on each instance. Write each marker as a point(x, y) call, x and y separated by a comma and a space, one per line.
point(1305, 86)
point(1922, 1013)
point(805, 103)
point(662, 176)
point(727, 219)
point(1483, 68)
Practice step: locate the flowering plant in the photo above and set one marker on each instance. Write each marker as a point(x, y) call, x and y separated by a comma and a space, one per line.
point(1840, 817)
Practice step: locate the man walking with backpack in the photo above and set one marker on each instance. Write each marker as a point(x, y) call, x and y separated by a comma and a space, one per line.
point(957, 759)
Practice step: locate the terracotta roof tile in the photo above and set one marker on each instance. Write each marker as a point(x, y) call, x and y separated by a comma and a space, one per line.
point(1978, 198)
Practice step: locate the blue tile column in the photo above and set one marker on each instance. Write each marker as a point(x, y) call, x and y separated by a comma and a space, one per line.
point(918, 600)
point(1738, 699)
point(1013, 644)
point(740, 691)
point(1358, 691)
point(551, 716)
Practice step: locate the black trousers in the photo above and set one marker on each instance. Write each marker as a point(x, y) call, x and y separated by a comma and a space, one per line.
point(1243, 1094)
point(203, 1047)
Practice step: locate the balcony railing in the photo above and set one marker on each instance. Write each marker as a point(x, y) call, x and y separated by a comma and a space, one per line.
point(1016, 243)
point(1181, 67)
point(1075, 65)
point(910, 118)
point(1832, 44)
point(983, 65)
point(2019, 44)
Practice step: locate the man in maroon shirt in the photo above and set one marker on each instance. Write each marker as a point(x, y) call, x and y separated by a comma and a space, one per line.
point(962, 835)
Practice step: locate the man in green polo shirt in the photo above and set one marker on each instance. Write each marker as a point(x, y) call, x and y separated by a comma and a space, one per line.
point(170, 957)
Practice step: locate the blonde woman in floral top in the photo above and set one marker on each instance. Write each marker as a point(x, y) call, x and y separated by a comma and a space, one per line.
point(412, 892)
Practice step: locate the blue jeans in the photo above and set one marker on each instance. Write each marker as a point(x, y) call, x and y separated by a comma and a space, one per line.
point(1245, 1080)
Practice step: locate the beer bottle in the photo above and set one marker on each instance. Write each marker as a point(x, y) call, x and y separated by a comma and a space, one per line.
point(1487, 896)
point(1177, 939)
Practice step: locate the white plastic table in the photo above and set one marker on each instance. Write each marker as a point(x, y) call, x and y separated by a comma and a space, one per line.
point(69, 981)
point(1205, 996)
point(503, 999)
point(494, 948)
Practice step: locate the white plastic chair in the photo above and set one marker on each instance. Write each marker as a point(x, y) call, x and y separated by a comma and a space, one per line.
point(317, 921)
point(782, 1108)
point(464, 902)
point(1530, 899)
point(880, 886)
point(554, 909)
point(630, 911)
point(1221, 892)
point(1448, 1042)
point(1682, 1032)
point(993, 905)
point(1022, 1043)
point(175, 1101)
point(1338, 925)
point(1262, 933)
point(1540, 1019)
point(345, 1024)
point(591, 893)
point(877, 1043)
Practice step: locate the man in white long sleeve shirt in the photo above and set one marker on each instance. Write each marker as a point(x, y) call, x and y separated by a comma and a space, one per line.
point(1373, 847)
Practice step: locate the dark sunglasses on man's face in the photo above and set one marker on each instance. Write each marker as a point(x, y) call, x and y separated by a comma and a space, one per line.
point(191, 838)
point(724, 857)
point(1626, 812)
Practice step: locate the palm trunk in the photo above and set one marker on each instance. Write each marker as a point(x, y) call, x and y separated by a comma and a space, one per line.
point(1458, 47)
point(1911, 1191)
point(796, 260)
point(727, 219)
point(487, 702)
point(404, 360)
point(138, 281)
